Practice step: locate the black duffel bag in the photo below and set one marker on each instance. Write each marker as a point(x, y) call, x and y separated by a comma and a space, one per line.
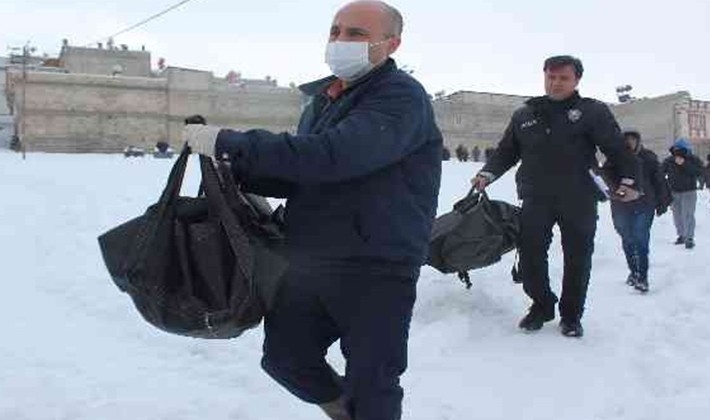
point(201, 266)
point(475, 234)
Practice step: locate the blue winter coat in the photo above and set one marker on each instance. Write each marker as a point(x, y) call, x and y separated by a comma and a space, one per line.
point(361, 176)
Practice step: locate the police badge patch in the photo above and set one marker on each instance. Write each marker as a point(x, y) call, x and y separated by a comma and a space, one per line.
point(574, 115)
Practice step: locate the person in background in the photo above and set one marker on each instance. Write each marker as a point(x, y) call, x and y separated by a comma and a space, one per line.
point(633, 220)
point(555, 137)
point(476, 153)
point(682, 169)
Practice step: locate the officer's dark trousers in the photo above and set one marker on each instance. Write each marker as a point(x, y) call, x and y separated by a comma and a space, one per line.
point(369, 313)
point(577, 219)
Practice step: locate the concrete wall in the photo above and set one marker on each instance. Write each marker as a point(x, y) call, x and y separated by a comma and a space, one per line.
point(7, 126)
point(654, 118)
point(94, 113)
point(103, 61)
point(693, 119)
point(473, 118)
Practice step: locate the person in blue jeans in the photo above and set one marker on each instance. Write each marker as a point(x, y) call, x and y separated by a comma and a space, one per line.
point(633, 220)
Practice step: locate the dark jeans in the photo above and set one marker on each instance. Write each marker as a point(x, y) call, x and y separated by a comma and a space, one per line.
point(577, 218)
point(369, 313)
point(634, 227)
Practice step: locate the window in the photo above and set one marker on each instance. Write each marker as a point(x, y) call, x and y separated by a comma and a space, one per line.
point(697, 123)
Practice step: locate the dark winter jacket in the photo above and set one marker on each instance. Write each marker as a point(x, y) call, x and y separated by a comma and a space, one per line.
point(650, 182)
point(682, 178)
point(361, 176)
point(556, 142)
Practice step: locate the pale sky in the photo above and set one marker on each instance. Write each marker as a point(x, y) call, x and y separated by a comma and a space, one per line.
point(481, 45)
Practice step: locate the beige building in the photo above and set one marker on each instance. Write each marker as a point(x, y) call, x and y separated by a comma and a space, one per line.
point(474, 118)
point(104, 99)
point(93, 108)
point(7, 126)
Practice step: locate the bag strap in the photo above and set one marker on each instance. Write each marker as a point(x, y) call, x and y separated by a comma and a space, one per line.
point(167, 197)
point(177, 174)
point(472, 199)
point(214, 192)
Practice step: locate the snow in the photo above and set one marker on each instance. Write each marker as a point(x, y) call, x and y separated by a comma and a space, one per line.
point(74, 347)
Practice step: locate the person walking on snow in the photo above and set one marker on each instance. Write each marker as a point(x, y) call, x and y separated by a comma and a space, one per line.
point(633, 220)
point(682, 169)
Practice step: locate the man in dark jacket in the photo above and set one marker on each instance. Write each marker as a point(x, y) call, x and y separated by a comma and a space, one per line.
point(556, 137)
point(683, 168)
point(361, 178)
point(633, 220)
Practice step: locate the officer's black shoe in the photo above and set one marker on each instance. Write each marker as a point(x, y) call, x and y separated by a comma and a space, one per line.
point(689, 243)
point(680, 240)
point(641, 285)
point(631, 280)
point(571, 328)
point(536, 317)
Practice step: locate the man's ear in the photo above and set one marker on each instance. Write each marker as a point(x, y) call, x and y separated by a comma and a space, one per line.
point(394, 44)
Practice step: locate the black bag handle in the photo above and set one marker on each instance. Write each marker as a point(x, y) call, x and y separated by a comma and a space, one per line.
point(472, 199)
point(167, 197)
point(214, 192)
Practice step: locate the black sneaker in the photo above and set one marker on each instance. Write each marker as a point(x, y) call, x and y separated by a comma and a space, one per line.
point(631, 280)
point(680, 240)
point(641, 285)
point(571, 328)
point(689, 243)
point(535, 318)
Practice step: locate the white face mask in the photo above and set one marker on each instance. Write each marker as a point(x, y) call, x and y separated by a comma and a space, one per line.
point(349, 60)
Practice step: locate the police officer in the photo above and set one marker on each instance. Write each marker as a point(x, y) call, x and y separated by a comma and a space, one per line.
point(555, 137)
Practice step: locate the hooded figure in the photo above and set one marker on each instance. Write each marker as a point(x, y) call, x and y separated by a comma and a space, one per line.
point(633, 220)
point(683, 169)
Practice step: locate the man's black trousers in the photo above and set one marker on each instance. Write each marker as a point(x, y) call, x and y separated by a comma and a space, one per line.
point(369, 313)
point(576, 216)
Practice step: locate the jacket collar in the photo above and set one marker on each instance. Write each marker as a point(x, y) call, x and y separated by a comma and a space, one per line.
point(546, 101)
point(319, 86)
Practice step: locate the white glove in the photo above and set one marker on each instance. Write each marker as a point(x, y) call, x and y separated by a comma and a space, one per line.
point(201, 138)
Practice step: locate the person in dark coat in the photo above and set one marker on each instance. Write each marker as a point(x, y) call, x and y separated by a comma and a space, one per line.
point(633, 220)
point(555, 137)
point(361, 178)
point(476, 153)
point(683, 168)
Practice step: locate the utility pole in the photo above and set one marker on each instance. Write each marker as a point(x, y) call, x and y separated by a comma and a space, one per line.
point(27, 50)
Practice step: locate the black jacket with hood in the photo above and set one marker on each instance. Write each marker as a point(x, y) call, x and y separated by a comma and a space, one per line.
point(683, 178)
point(650, 182)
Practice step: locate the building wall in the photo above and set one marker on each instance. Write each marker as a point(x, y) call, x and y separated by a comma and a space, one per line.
point(693, 118)
point(655, 118)
point(95, 113)
point(103, 61)
point(7, 127)
point(475, 119)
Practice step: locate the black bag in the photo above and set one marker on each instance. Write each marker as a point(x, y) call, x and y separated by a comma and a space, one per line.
point(203, 266)
point(476, 234)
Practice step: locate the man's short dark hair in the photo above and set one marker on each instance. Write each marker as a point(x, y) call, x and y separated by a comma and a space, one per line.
point(560, 61)
point(632, 133)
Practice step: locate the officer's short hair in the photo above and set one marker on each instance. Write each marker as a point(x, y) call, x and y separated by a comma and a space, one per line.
point(632, 133)
point(559, 61)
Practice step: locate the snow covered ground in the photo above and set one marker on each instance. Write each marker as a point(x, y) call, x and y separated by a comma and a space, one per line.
point(73, 347)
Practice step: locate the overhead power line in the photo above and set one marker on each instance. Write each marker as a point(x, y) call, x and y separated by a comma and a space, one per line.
point(144, 21)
